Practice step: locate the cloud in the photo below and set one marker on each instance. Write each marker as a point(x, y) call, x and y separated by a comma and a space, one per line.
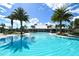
point(75, 18)
point(75, 11)
point(8, 24)
point(16, 24)
point(54, 6)
point(33, 21)
point(71, 7)
point(49, 23)
point(6, 20)
point(2, 17)
point(41, 25)
point(8, 5)
point(2, 10)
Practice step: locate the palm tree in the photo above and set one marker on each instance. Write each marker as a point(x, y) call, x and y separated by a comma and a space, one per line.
point(61, 14)
point(11, 17)
point(21, 15)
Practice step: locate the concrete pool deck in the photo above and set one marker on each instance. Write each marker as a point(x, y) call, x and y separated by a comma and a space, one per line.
point(68, 35)
point(3, 35)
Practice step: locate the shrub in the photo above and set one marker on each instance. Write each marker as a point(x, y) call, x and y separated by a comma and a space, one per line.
point(75, 32)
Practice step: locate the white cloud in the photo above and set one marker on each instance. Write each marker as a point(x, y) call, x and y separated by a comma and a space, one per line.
point(7, 21)
point(53, 6)
point(4, 20)
point(75, 18)
point(16, 23)
point(8, 5)
point(2, 17)
point(71, 7)
point(53, 24)
point(40, 23)
point(75, 11)
point(8, 24)
point(33, 21)
point(2, 10)
point(49, 23)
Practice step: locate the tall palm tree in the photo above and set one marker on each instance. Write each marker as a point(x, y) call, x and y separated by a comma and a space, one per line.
point(21, 15)
point(61, 14)
point(11, 17)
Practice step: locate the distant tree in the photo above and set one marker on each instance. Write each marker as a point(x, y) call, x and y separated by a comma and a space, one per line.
point(2, 27)
point(33, 26)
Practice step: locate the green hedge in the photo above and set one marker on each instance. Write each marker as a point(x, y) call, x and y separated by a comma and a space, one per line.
point(9, 32)
point(75, 32)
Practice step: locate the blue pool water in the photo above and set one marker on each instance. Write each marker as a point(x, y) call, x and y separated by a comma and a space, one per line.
point(41, 44)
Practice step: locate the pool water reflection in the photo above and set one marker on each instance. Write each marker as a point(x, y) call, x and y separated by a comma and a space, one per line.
point(39, 44)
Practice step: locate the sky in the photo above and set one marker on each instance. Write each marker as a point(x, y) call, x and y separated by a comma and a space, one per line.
point(38, 12)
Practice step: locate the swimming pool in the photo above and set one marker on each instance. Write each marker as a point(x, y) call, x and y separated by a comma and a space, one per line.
point(41, 44)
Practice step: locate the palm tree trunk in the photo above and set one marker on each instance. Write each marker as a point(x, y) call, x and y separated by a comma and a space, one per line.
point(12, 30)
point(60, 26)
point(21, 26)
point(56, 28)
point(21, 35)
point(12, 25)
